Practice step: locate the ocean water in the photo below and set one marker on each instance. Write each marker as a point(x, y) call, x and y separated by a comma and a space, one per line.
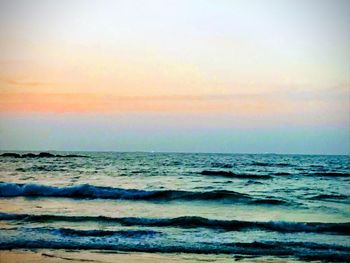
point(241, 205)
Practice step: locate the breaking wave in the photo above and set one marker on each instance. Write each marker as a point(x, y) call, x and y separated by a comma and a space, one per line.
point(103, 233)
point(93, 192)
point(155, 244)
point(233, 175)
point(193, 222)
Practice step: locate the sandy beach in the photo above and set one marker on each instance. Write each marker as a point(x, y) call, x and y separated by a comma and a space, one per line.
point(54, 256)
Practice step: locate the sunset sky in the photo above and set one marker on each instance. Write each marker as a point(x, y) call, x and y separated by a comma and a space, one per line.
point(198, 76)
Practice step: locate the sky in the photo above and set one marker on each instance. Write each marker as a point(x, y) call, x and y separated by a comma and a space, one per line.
point(187, 75)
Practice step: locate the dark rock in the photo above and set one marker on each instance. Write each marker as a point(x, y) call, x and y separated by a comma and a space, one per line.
point(40, 155)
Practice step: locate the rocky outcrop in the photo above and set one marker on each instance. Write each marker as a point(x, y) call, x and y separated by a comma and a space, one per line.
point(40, 155)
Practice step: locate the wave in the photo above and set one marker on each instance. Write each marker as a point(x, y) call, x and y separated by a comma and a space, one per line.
point(193, 222)
point(103, 233)
point(233, 175)
point(221, 165)
point(47, 168)
point(271, 164)
point(282, 173)
point(270, 201)
point(90, 191)
point(94, 192)
point(329, 174)
point(329, 197)
point(48, 239)
point(282, 164)
point(260, 164)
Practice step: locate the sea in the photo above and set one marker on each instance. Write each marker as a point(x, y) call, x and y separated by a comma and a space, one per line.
point(206, 205)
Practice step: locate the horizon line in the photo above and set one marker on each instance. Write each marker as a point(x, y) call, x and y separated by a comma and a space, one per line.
point(177, 152)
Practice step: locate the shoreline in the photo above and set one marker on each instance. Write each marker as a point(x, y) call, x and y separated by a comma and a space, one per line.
point(103, 256)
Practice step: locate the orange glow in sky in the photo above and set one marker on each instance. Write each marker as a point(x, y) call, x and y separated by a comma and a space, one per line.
point(274, 60)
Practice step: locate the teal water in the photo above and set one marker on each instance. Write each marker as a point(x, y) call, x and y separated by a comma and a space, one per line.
point(294, 206)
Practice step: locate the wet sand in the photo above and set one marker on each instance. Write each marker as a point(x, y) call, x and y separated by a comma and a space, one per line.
point(54, 256)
